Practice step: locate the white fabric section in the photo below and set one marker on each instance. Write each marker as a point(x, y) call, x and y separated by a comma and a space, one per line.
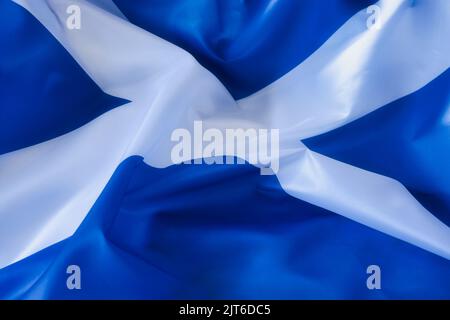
point(368, 198)
point(46, 190)
point(359, 70)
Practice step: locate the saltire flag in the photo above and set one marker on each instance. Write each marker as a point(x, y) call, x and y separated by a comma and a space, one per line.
point(92, 205)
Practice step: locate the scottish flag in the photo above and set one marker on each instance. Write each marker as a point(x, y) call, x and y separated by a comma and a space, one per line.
point(225, 149)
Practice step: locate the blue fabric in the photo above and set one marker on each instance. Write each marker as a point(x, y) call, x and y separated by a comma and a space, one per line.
point(44, 92)
point(246, 44)
point(171, 233)
point(226, 231)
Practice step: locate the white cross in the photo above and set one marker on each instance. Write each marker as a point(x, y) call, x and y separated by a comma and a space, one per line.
point(47, 189)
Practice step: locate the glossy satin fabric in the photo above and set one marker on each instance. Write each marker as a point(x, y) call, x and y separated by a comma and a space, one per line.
point(409, 140)
point(169, 233)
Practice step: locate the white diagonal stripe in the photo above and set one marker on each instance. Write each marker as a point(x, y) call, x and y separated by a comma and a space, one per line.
point(170, 90)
